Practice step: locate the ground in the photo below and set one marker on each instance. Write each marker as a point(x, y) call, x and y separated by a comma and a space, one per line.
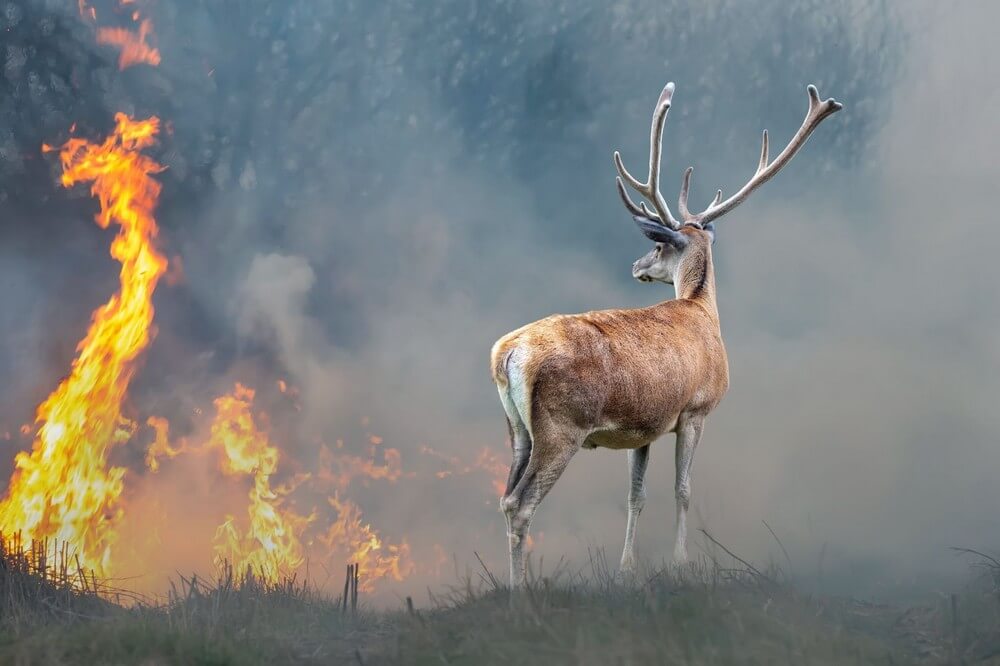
point(707, 614)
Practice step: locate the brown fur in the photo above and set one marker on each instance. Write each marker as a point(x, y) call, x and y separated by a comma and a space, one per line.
point(626, 376)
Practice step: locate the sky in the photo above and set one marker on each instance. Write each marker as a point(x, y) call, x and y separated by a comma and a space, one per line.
point(363, 198)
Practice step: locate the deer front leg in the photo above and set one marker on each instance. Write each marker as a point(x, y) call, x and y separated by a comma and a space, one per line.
point(637, 460)
point(688, 435)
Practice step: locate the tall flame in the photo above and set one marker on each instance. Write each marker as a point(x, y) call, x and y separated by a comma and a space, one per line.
point(64, 488)
point(272, 546)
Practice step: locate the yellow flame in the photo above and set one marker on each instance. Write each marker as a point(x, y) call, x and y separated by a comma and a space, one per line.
point(272, 546)
point(64, 489)
point(161, 447)
point(361, 544)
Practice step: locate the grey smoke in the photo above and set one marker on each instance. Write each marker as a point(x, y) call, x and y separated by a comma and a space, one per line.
point(364, 198)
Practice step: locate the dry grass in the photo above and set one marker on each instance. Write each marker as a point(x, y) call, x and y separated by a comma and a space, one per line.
point(719, 610)
point(40, 582)
point(55, 613)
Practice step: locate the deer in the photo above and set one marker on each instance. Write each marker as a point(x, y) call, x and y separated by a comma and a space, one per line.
point(620, 379)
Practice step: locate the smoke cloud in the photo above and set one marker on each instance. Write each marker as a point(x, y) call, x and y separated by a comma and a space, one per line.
point(365, 197)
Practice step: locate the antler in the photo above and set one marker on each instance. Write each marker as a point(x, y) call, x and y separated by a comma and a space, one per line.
point(651, 188)
point(818, 112)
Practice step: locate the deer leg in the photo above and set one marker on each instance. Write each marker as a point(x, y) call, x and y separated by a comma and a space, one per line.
point(549, 457)
point(521, 450)
point(637, 460)
point(688, 435)
point(520, 444)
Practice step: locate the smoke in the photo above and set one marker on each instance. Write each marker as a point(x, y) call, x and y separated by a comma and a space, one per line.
point(365, 197)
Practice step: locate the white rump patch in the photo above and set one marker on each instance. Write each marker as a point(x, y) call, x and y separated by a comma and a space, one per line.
point(516, 398)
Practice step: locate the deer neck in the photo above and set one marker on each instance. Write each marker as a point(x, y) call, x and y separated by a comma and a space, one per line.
point(694, 279)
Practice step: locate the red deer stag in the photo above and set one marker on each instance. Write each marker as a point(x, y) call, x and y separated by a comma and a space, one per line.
point(621, 378)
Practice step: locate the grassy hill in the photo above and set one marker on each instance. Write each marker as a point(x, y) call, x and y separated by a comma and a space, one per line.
point(707, 614)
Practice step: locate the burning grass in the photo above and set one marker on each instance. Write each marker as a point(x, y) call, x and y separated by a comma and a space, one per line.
point(54, 614)
point(40, 583)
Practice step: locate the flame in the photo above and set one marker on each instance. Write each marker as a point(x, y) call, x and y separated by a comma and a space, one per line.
point(339, 469)
point(272, 546)
point(133, 44)
point(360, 543)
point(134, 49)
point(530, 543)
point(161, 447)
point(64, 489)
point(487, 461)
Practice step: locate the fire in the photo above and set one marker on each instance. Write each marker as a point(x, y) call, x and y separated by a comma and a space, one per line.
point(64, 489)
point(133, 44)
point(161, 447)
point(487, 461)
point(360, 543)
point(340, 469)
point(272, 546)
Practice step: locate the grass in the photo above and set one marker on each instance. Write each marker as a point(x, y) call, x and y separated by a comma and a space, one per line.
point(708, 613)
point(705, 614)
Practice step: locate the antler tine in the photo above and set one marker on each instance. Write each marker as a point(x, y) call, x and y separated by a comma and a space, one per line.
point(623, 193)
point(651, 188)
point(763, 154)
point(639, 210)
point(682, 200)
point(818, 112)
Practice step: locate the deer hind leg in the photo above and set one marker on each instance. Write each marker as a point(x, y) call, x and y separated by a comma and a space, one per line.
point(637, 461)
point(520, 444)
point(551, 451)
point(688, 435)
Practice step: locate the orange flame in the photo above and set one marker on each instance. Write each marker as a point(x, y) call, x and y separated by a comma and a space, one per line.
point(487, 461)
point(64, 488)
point(133, 45)
point(339, 469)
point(360, 543)
point(272, 546)
point(161, 447)
point(134, 48)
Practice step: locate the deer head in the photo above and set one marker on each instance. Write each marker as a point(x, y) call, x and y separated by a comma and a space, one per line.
point(675, 238)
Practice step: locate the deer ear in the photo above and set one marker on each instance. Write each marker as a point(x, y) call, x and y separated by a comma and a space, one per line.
point(660, 233)
point(710, 230)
